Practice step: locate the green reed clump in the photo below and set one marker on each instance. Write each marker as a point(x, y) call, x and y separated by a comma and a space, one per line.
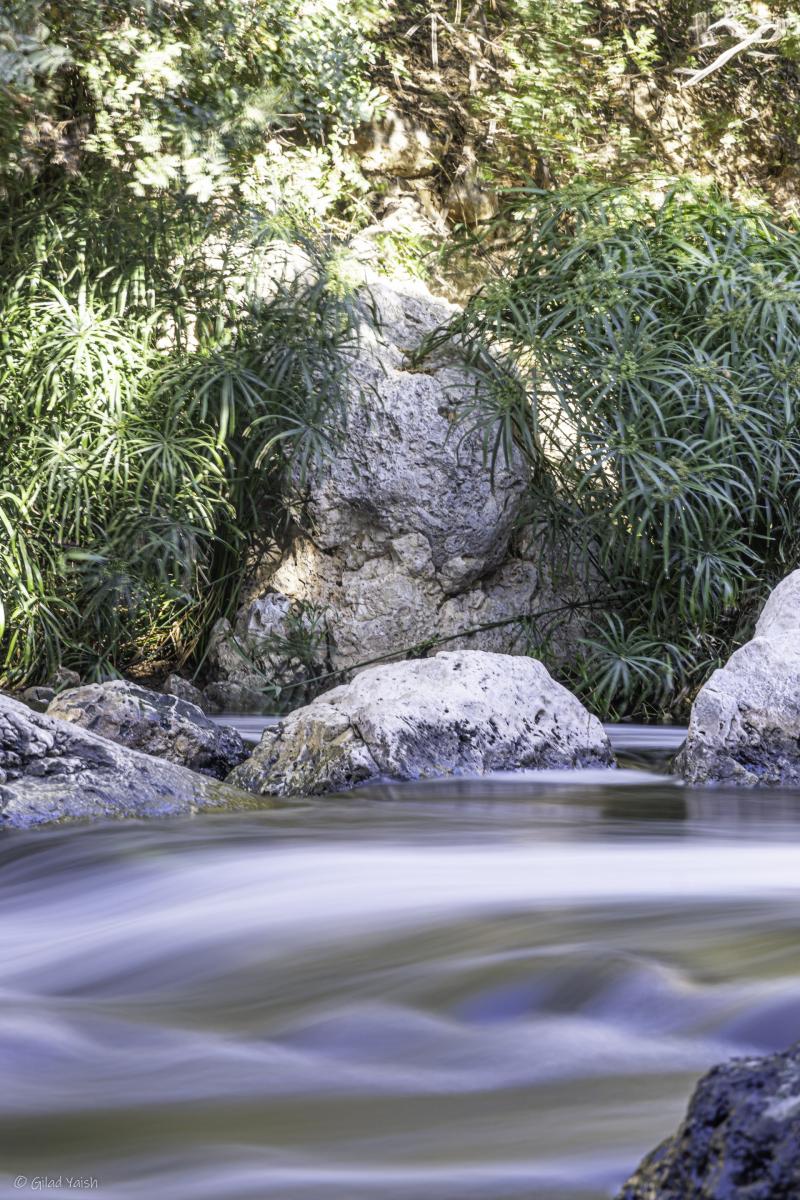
point(161, 374)
point(644, 352)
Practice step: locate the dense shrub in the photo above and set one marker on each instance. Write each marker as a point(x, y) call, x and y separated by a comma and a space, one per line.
point(644, 351)
point(155, 388)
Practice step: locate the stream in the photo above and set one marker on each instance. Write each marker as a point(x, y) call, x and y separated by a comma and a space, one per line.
point(462, 990)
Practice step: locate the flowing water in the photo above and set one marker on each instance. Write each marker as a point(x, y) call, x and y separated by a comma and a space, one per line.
point(469, 990)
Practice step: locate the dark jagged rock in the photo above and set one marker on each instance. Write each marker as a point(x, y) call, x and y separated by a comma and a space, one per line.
point(53, 770)
point(164, 726)
point(740, 1139)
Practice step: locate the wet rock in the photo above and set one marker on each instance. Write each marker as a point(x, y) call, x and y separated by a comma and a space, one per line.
point(52, 770)
point(163, 726)
point(745, 723)
point(740, 1139)
point(460, 713)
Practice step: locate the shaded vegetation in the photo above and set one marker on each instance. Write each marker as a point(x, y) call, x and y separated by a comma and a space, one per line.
point(161, 368)
point(147, 421)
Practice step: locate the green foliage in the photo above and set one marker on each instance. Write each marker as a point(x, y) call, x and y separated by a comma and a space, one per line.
point(158, 381)
point(644, 351)
point(156, 386)
point(189, 95)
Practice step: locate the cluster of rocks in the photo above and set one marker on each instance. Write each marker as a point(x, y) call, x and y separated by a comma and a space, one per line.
point(120, 749)
point(117, 749)
point(55, 770)
point(164, 726)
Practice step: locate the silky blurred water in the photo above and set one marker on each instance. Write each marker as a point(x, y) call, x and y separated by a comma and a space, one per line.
point(475, 989)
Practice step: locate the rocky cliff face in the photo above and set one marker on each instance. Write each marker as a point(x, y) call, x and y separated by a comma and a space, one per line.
point(408, 534)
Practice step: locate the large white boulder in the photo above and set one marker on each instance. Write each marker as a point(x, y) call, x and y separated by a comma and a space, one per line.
point(745, 723)
point(52, 770)
point(460, 713)
point(409, 534)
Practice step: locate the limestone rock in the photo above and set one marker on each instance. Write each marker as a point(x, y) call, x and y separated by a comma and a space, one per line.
point(459, 713)
point(275, 640)
point(740, 1139)
point(403, 518)
point(745, 723)
point(407, 468)
point(396, 146)
point(53, 770)
point(408, 536)
point(163, 726)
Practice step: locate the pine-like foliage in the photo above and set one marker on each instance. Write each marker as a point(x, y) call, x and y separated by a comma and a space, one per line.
point(156, 385)
point(644, 351)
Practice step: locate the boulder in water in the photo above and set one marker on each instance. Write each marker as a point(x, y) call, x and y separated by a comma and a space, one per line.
point(164, 726)
point(745, 723)
point(740, 1139)
point(460, 713)
point(53, 770)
